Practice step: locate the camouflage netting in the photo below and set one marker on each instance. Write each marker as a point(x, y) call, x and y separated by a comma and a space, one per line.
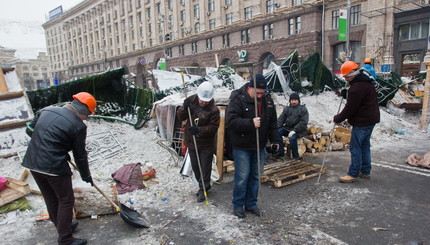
point(113, 94)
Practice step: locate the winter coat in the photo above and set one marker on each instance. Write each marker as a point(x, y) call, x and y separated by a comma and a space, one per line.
point(240, 115)
point(361, 107)
point(294, 118)
point(57, 130)
point(208, 123)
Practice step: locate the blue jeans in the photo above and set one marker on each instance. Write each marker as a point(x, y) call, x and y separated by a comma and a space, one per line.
point(246, 178)
point(293, 143)
point(360, 151)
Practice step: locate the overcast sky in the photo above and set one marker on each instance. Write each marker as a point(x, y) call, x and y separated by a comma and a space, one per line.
point(21, 24)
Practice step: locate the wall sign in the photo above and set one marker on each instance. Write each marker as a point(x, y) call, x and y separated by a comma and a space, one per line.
point(243, 55)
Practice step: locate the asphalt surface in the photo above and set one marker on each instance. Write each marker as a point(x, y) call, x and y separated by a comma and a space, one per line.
point(390, 208)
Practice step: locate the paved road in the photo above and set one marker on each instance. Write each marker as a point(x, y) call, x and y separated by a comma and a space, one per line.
point(395, 201)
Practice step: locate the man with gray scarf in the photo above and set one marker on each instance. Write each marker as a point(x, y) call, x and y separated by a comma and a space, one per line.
point(54, 132)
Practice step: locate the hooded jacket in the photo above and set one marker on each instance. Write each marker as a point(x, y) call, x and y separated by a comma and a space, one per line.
point(208, 123)
point(361, 107)
point(240, 115)
point(57, 130)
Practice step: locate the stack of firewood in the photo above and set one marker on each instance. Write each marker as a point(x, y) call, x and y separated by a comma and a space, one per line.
point(318, 141)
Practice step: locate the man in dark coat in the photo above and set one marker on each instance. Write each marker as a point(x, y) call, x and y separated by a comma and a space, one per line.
point(362, 112)
point(293, 122)
point(242, 124)
point(205, 116)
point(54, 132)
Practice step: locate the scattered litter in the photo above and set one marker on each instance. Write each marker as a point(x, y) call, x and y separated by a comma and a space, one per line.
point(380, 229)
point(94, 216)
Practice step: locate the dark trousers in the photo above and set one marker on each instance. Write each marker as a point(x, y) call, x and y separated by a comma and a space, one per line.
point(293, 143)
point(59, 199)
point(206, 156)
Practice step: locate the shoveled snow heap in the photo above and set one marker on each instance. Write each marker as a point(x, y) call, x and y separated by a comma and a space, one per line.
point(173, 193)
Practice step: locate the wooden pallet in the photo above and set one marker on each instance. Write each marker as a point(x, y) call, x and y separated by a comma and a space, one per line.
point(289, 172)
point(14, 190)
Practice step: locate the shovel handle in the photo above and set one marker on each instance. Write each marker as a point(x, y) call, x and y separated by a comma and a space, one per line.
point(107, 198)
point(99, 190)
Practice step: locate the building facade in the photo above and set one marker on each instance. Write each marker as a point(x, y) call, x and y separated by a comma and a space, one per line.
point(247, 35)
point(34, 73)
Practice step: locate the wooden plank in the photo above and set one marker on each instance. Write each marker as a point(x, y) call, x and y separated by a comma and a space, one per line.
point(14, 190)
point(9, 155)
point(11, 95)
point(3, 85)
point(220, 142)
point(14, 124)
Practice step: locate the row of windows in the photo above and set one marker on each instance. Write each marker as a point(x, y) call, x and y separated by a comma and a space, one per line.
point(34, 68)
point(245, 37)
point(353, 20)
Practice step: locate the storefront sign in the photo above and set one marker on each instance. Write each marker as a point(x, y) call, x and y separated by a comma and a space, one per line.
point(243, 55)
point(343, 24)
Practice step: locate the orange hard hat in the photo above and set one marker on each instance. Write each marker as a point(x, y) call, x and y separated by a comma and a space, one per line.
point(87, 99)
point(367, 61)
point(348, 67)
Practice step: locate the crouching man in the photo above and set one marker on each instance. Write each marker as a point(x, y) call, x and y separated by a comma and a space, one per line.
point(205, 116)
point(293, 122)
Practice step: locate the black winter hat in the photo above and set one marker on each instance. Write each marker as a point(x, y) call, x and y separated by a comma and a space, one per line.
point(294, 96)
point(260, 81)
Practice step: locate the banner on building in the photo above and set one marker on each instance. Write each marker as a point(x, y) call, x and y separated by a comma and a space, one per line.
point(343, 24)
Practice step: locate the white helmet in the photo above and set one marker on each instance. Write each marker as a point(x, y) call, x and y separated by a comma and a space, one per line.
point(205, 91)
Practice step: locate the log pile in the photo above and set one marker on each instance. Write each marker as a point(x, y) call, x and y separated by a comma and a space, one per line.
point(318, 141)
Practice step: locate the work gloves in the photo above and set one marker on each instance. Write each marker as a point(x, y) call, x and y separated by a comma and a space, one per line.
point(291, 134)
point(88, 180)
point(275, 148)
point(194, 130)
point(187, 103)
point(344, 93)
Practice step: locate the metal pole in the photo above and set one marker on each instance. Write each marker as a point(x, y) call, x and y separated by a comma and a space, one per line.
point(257, 134)
point(329, 143)
point(198, 159)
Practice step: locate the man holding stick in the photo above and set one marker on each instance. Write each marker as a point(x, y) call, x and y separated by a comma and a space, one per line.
point(243, 124)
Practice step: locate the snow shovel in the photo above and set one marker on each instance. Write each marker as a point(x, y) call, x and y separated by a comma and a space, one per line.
point(130, 216)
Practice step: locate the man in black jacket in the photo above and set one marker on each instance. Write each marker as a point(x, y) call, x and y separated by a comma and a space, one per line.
point(242, 124)
point(54, 132)
point(362, 112)
point(293, 122)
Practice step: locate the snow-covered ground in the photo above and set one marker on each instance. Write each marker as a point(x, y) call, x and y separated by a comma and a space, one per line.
point(173, 191)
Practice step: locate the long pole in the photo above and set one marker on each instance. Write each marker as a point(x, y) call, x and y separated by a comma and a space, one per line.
point(257, 136)
point(198, 158)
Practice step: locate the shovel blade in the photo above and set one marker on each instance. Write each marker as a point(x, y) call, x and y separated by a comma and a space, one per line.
point(132, 217)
